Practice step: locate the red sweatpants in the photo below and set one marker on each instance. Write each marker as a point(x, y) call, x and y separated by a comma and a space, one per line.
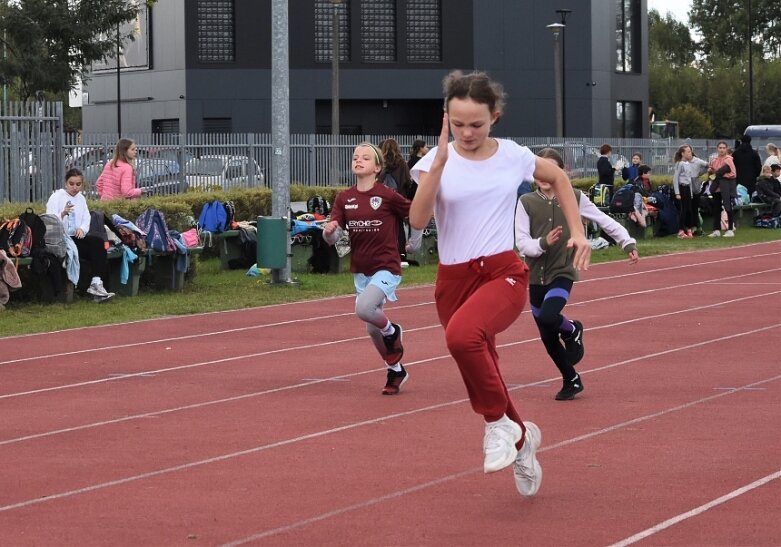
point(477, 300)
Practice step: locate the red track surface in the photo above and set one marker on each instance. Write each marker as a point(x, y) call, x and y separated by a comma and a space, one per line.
point(267, 427)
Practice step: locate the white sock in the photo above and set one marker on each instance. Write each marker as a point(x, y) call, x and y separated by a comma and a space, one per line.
point(388, 330)
point(394, 368)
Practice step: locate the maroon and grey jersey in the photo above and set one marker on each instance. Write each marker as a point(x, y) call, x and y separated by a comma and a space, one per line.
point(372, 219)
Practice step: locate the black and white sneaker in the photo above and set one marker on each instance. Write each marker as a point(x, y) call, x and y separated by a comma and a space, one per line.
point(395, 381)
point(570, 389)
point(393, 346)
point(573, 343)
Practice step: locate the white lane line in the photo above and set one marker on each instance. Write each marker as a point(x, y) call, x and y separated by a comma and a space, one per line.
point(697, 510)
point(347, 427)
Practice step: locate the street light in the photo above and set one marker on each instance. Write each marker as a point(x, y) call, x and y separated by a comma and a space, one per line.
point(557, 30)
point(335, 53)
point(750, 70)
point(119, 96)
point(563, 14)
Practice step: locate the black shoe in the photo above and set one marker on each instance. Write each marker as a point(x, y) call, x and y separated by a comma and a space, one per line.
point(395, 351)
point(395, 381)
point(573, 343)
point(570, 389)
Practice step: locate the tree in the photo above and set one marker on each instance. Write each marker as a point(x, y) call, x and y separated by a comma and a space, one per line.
point(692, 123)
point(51, 43)
point(669, 41)
point(723, 26)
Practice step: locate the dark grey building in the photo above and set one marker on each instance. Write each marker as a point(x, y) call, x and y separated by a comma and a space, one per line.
point(205, 66)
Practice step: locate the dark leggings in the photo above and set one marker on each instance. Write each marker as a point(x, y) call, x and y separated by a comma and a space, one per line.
point(723, 200)
point(91, 248)
point(547, 303)
point(688, 211)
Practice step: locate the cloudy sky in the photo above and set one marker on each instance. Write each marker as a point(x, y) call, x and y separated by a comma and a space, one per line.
point(678, 8)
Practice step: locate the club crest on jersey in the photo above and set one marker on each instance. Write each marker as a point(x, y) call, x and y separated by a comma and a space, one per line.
point(375, 202)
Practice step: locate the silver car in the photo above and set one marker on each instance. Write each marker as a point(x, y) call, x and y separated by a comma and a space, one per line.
point(223, 172)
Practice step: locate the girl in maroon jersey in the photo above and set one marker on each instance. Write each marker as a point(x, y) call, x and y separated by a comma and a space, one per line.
point(371, 213)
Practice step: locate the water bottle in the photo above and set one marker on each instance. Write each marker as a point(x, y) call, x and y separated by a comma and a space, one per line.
point(71, 225)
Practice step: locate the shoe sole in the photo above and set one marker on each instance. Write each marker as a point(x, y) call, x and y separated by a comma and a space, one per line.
point(535, 463)
point(403, 381)
point(507, 461)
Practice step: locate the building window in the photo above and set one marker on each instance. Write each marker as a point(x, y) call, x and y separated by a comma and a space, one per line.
point(170, 126)
point(216, 31)
point(424, 31)
point(217, 125)
point(378, 31)
point(628, 123)
point(324, 12)
point(628, 36)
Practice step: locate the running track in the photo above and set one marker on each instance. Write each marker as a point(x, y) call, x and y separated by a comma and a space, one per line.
point(266, 426)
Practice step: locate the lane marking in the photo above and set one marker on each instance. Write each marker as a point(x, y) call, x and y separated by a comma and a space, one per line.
point(697, 510)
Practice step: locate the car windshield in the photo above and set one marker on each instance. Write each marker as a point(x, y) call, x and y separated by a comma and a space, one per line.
point(206, 166)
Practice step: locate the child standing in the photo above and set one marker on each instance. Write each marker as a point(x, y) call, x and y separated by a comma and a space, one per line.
point(541, 235)
point(372, 213)
point(118, 179)
point(687, 186)
point(69, 205)
point(471, 186)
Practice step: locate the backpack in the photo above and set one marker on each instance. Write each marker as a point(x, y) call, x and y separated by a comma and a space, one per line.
point(54, 236)
point(153, 223)
point(16, 238)
point(320, 261)
point(390, 182)
point(318, 204)
point(623, 201)
point(599, 194)
point(230, 216)
point(214, 217)
point(743, 195)
point(37, 227)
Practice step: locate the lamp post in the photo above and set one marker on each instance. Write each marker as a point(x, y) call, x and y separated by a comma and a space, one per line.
point(556, 29)
point(750, 70)
point(563, 14)
point(335, 53)
point(119, 95)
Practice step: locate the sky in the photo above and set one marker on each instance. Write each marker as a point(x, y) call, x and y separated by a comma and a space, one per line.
point(678, 8)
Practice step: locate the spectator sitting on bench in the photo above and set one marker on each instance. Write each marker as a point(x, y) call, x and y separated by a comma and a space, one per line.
point(769, 187)
point(69, 205)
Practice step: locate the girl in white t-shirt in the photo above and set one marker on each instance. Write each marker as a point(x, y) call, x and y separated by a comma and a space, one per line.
point(471, 187)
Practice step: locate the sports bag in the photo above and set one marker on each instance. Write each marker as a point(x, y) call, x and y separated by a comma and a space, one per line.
point(213, 217)
point(54, 237)
point(623, 201)
point(16, 238)
point(153, 223)
point(600, 195)
point(37, 227)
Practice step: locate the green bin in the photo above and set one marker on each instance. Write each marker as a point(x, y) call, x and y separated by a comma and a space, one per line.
point(272, 242)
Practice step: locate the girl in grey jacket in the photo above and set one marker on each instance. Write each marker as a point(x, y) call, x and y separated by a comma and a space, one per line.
point(541, 235)
point(687, 188)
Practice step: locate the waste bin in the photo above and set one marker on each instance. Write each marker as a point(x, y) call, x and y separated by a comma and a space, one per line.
point(272, 242)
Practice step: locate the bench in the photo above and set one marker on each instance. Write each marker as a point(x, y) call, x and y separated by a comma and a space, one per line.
point(162, 266)
point(749, 211)
point(635, 231)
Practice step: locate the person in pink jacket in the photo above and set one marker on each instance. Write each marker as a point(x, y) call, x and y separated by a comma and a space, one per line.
point(118, 179)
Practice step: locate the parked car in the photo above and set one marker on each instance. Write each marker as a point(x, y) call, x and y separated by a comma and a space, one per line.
point(221, 172)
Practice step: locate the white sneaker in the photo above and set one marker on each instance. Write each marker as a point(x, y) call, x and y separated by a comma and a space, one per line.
point(526, 469)
point(499, 444)
point(729, 233)
point(100, 299)
point(715, 233)
point(96, 289)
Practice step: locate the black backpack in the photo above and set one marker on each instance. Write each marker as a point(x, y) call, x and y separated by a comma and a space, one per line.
point(318, 204)
point(320, 261)
point(623, 201)
point(248, 248)
point(37, 227)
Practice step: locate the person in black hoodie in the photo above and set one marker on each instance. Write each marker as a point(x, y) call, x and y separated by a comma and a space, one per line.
point(748, 164)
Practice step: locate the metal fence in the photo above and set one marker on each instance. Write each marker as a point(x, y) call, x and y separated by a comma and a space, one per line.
point(35, 153)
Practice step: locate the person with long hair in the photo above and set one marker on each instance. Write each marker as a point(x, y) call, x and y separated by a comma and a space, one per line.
point(721, 172)
point(371, 213)
point(118, 179)
point(396, 168)
point(687, 187)
point(773, 155)
point(70, 206)
point(541, 237)
point(471, 186)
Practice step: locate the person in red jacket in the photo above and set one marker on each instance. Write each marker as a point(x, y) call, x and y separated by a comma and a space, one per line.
point(118, 179)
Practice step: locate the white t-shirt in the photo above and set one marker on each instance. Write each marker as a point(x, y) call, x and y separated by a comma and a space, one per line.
point(475, 205)
point(80, 216)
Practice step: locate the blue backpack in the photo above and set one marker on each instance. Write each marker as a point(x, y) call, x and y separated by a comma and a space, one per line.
point(214, 217)
point(153, 223)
